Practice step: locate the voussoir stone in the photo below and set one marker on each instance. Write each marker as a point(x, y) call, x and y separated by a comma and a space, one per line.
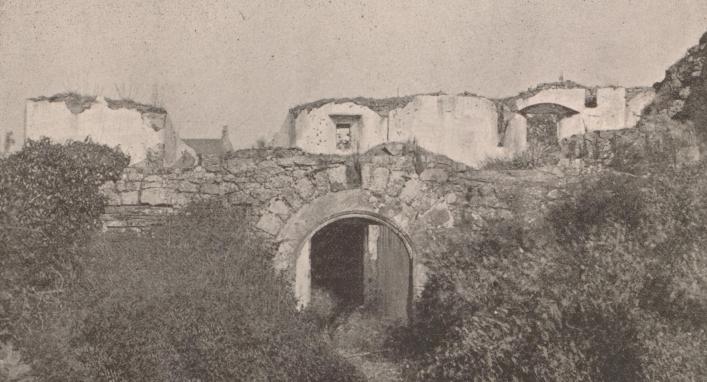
point(270, 223)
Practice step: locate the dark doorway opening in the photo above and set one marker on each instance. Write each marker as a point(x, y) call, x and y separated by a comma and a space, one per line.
point(362, 264)
point(337, 261)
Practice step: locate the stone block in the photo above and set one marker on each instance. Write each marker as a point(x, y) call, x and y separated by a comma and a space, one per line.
point(181, 199)
point(240, 198)
point(279, 207)
point(127, 185)
point(303, 160)
point(227, 188)
point(186, 186)
point(395, 183)
point(450, 198)
point(240, 165)
point(304, 188)
point(293, 200)
point(270, 223)
point(130, 197)
point(438, 216)
point(378, 179)
point(394, 148)
point(554, 194)
point(211, 189)
point(337, 178)
point(410, 191)
point(434, 175)
point(157, 196)
point(280, 181)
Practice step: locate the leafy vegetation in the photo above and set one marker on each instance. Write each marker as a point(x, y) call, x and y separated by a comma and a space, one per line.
point(611, 287)
point(49, 205)
point(196, 299)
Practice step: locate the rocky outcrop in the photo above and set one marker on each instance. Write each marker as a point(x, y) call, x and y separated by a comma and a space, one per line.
point(658, 141)
point(671, 129)
point(682, 93)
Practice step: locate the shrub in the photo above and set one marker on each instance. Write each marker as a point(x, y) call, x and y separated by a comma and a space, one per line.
point(49, 206)
point(197, 299)
point(520, 161)
point(612, 287)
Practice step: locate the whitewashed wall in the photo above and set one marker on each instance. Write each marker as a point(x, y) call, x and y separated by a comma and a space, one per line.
point(462, 127)
point(132, 131)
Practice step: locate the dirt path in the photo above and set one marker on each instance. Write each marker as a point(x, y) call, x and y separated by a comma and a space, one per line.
point(360, 339)
point(373, 365)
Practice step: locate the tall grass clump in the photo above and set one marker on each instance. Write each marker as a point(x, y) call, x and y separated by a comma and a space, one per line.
point(195, 300)
point(612, 287)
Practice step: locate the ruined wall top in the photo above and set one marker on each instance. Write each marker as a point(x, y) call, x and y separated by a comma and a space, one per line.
point(142, 131)
point(465, 127)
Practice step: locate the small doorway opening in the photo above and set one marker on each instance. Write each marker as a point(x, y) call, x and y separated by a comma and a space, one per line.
point(361, 264)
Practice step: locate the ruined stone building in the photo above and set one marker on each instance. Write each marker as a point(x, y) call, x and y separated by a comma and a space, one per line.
point(366, 227)
point(369, 228)
point(465, 127)
point(140, 130)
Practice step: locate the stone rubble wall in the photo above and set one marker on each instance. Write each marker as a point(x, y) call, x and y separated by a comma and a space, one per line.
point(656, 137)
point(429, 197)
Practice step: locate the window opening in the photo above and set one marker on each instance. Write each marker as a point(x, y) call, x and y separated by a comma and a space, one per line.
point(343, 136)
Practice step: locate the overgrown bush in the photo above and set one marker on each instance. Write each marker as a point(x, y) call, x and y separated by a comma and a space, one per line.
point(197, 300)
point(611, 288)
point(49, 205)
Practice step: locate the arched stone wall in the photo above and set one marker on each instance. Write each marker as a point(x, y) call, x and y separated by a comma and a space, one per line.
point(293, 254)
point(430, 201)
point(609, 111)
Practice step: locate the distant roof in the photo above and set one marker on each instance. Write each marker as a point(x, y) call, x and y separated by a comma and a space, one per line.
point(206, 146)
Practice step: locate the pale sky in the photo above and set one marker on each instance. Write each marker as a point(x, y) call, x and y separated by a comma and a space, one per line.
point(245, 63)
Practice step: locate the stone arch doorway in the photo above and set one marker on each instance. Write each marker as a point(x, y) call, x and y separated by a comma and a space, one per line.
point(360, 259)
point(548, 123)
